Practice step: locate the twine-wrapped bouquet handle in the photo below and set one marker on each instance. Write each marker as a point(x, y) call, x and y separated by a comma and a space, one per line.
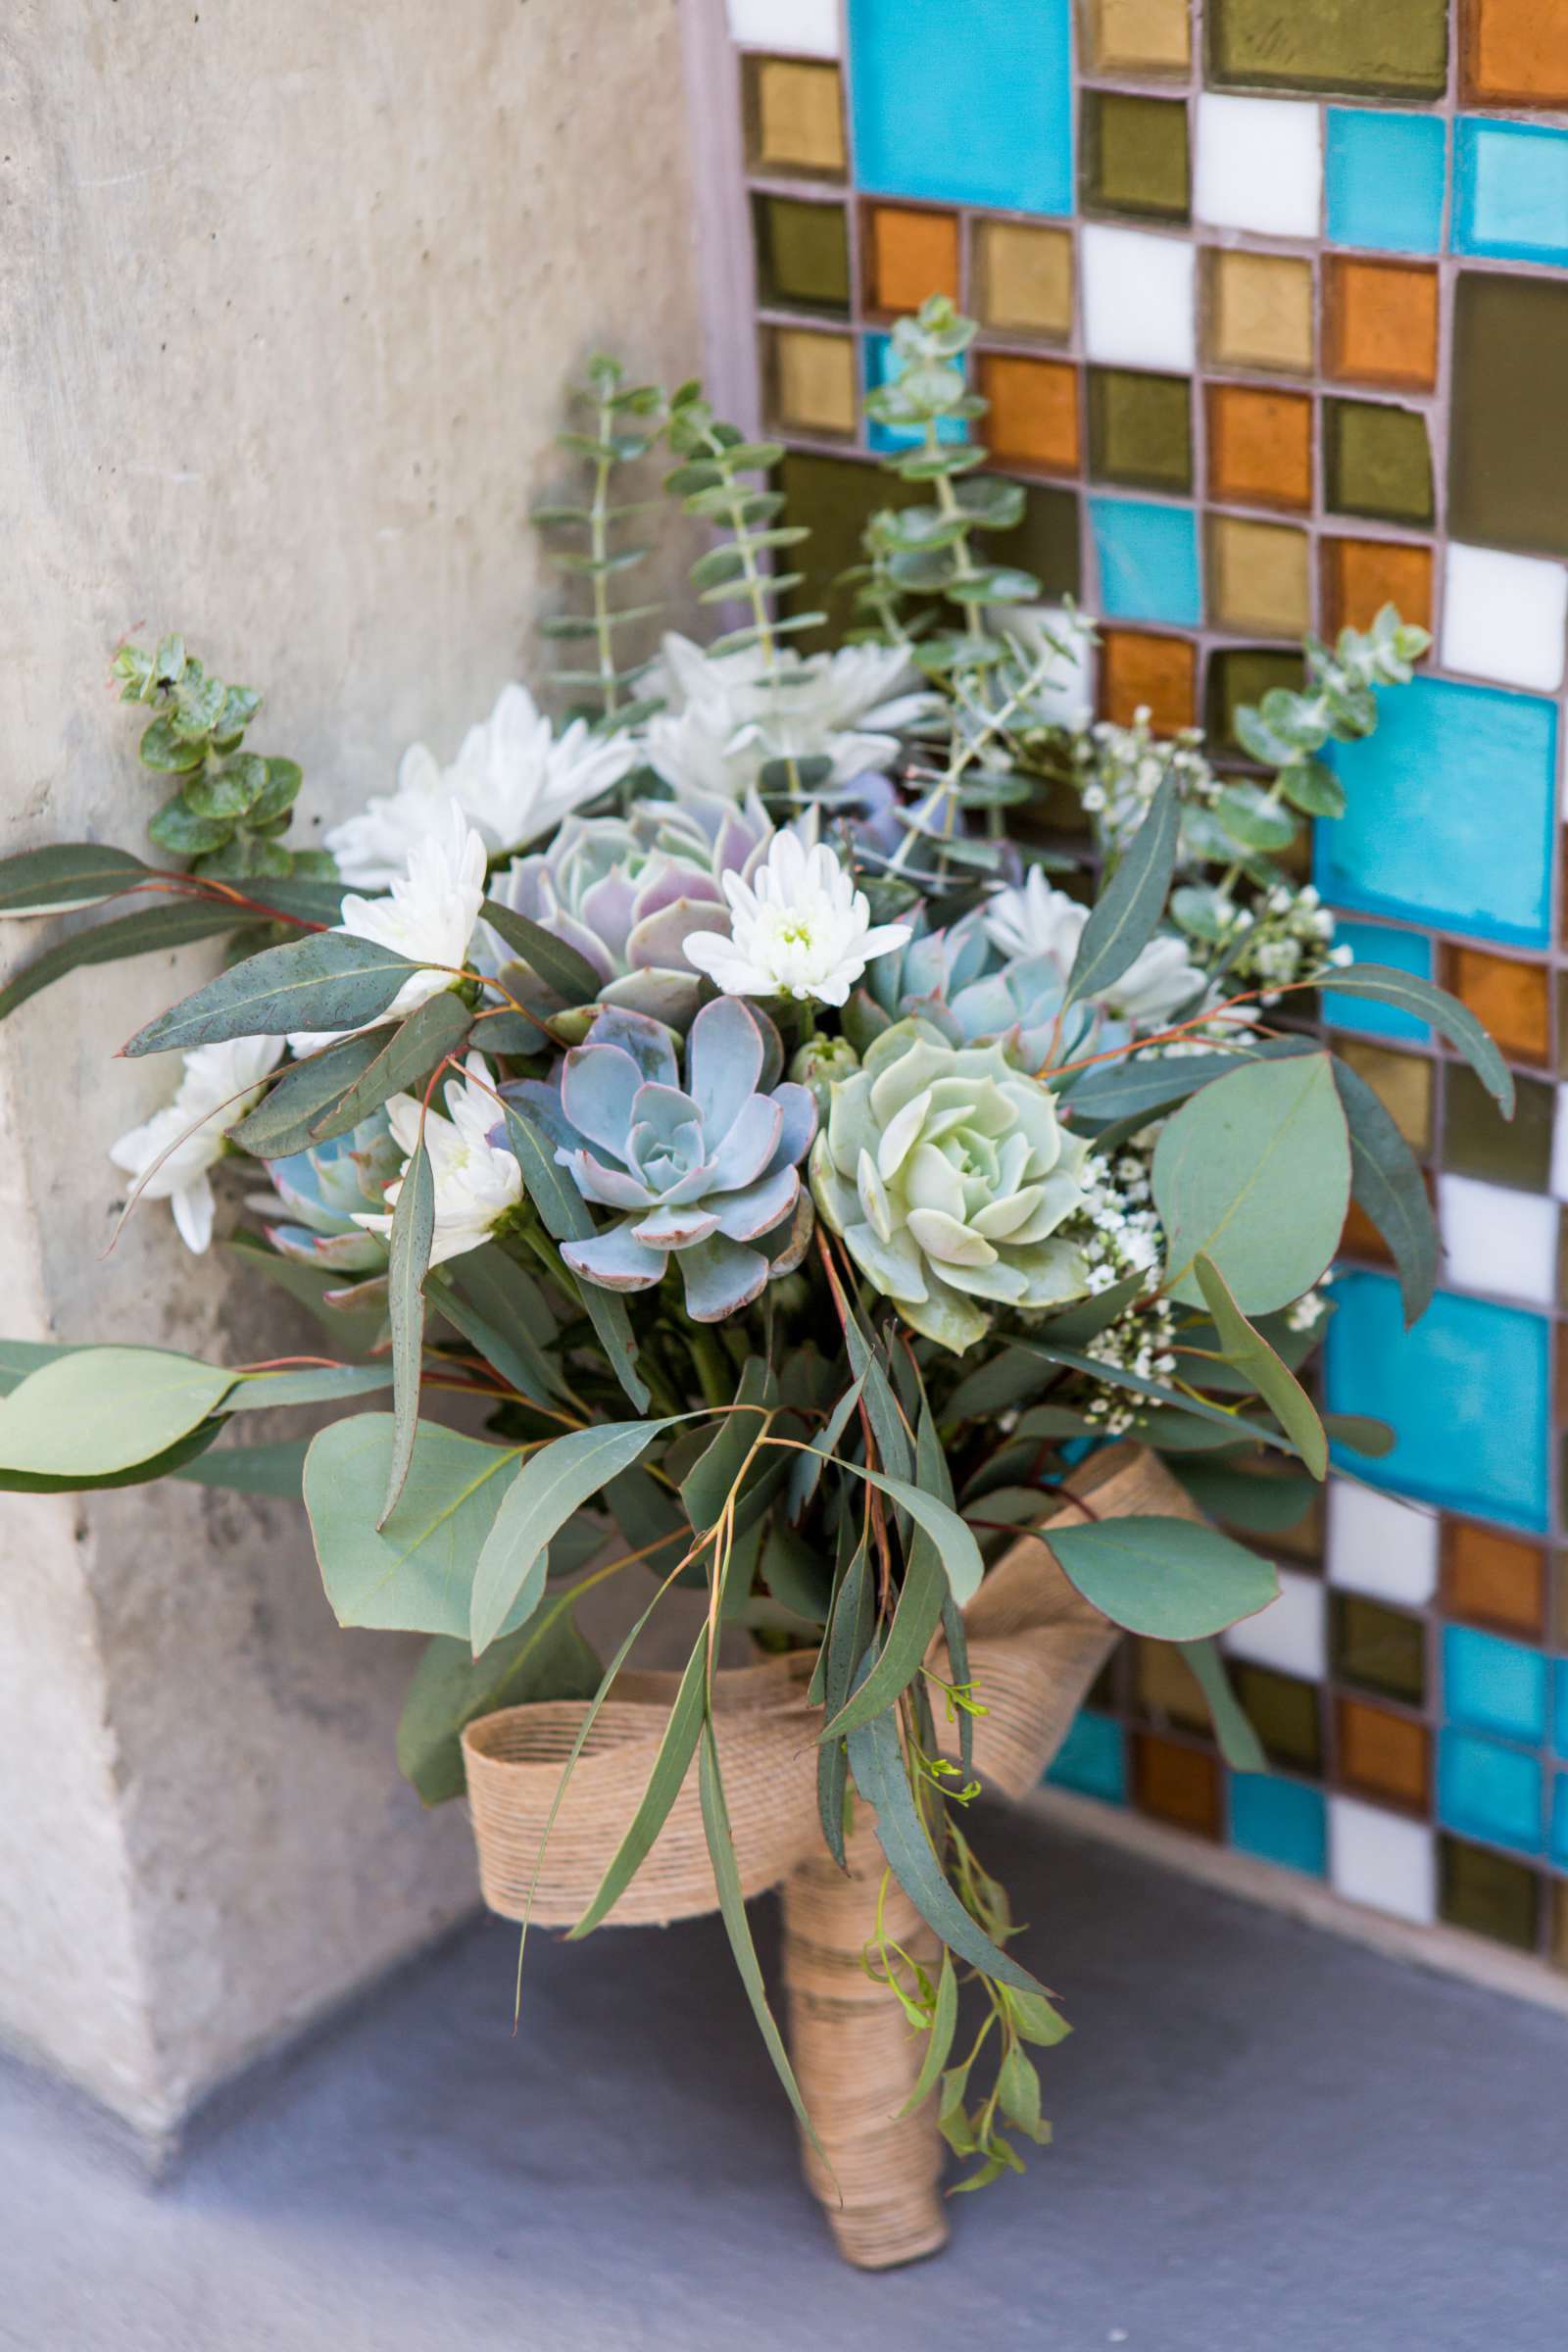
point(1035, 1647)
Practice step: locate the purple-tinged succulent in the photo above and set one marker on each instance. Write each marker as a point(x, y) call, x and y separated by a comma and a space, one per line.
point(709, 1174)
point(322, 1192)
point(626, 893)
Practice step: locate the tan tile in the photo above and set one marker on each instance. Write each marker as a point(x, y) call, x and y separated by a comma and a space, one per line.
point(1260, 308)
point(1258, 576)
point(1023, 279)
point(812, 379)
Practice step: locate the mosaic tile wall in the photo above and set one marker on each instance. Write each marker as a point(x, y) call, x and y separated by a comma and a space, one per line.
point(1274, 305)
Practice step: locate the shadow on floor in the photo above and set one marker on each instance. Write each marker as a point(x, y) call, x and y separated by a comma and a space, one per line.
point(1267, 2141)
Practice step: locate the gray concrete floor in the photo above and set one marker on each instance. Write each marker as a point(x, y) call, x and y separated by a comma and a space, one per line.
point(1265, 2138)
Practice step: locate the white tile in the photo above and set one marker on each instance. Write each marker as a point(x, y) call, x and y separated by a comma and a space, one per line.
point(1260, 165)
point(1137, 298)
point(1559, 1146)
point(1289, 1634)
point(1378, 1858)
point(808, 27)
point(1497, 1239)
point(1505, 617)
point(1377, 1546)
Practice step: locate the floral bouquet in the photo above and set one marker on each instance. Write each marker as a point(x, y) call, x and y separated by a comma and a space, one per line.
point(767, 1137)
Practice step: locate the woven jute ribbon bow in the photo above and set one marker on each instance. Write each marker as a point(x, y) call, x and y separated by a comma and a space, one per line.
point(1035, 1647)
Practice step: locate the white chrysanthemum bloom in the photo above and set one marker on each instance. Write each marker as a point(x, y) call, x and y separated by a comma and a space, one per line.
point(730, 716)
point(219, 1087)
point(428, 916)
point(1037, 920)
point(475, 1181)
point(514, 779)
point(800, 928)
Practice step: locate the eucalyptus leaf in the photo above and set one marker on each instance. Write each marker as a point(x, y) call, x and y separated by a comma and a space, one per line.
point(409, 1263)
point(284, 1121)
point(558, 1481)
point(1255, 1173)
point(406, 1055)
point(275, 1469)
point(1386, 985)
point(876, 1760)
point(168, 923)
point(66, 875)
point(566, 1219)
point(732, 1909)
point(103, 1410)
point(1252, 1356)
point(1386, 1184)
point(1124, 918)
point(415, 1574)
point(942, 2028)
point(1237, 1741)
point(1171, 1580)
point(330, 980)
point(311, 1384)
point(557, 964)
point(1260, 1502)
point(511, 1353)
point(676, 1748)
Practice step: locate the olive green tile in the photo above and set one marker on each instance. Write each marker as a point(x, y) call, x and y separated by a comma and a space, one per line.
point(1397, 48)
point(803, 254)
point(1510, 396)
point(1376, 460)
point(1377, 1649)
point(1478, 1141)
point(1245, 674)
point(1047, 542)
point(1141, 428)
point(1284, 1711)
point(1135, 156)
point(1488, 1894)
point(835, 498)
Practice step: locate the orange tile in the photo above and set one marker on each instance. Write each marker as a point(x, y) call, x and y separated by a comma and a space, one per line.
point(1495, 1579)
point(1515, 52)
point(910, 255)
point(1387, 1755)
point(1381, 322)
point(1034, 412)
point(1511, 998)
point(1156, 675)
point(1177, 1784)
point(1362, 575)
point(1260, 446)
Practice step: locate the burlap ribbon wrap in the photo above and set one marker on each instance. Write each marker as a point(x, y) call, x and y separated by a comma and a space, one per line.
point(1035, 1647)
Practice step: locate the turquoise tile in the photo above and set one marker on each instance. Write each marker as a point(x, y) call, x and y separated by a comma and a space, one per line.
point(1375, 942)
point(969, 104)
point(1385, 175)
point(883, 366)
point(1279, 1821)
point(1559, 1736)
point(1490, 1684)
point(1148, 561)
point(1511, 190)
point(1451, 812)
point(1465, 1390)
point(1092, 1758)
point(1495, 1794)
point(1559, 1822)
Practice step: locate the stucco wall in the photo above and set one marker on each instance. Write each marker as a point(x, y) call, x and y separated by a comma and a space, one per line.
point(287, 293)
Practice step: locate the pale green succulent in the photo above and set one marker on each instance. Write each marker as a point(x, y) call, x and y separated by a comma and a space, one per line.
point(948, 1175)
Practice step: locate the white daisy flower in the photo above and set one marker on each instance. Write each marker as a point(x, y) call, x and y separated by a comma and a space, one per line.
point(798, 929)
point(219, 1087)
point(429, 916)
point(476, 1183)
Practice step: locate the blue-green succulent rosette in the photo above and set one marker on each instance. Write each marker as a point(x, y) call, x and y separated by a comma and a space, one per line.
point(706, 1173)
point(948, 1175)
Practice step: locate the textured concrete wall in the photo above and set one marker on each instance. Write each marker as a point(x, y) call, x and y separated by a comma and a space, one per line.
point(287, 293)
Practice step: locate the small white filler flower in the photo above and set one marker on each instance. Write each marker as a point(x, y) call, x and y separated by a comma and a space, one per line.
point(476, 1183)
point(219, 1087)
point(800, 928)
point(429, 917)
